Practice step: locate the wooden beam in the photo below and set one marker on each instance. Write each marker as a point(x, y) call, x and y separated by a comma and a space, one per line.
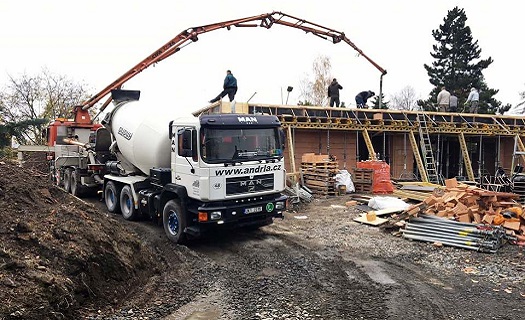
point(417, 157)
point(291, 152)
point(466, 157)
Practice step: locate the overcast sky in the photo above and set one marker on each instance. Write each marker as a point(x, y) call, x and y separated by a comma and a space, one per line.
point(96, 41)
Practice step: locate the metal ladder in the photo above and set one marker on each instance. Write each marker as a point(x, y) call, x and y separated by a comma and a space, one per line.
point(519, 151)
point(426, 150)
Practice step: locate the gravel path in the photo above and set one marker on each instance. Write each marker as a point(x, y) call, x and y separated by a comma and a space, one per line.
point(324, 266)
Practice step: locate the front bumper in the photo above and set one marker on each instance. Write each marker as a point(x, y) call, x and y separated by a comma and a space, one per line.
point(238, 213)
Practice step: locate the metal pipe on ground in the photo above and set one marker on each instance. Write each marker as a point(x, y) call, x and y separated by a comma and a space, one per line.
point(443, 234)
point(457, 234)
point(481, 243)
point(451, 244)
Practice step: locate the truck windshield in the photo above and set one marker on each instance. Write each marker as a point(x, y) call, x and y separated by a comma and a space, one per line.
point(226, 145)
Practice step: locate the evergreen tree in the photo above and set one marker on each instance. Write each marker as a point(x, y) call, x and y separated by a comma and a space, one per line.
point(18, 130)
point(384, 104)
point(457, 64)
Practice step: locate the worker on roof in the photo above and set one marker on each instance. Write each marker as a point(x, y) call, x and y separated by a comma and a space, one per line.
point(473, 100)
point(229, 88)
point(443, 100)
point(453, 104)
point(333, 92)
point(362, 97)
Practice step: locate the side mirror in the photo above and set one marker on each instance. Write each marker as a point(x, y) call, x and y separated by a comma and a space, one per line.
point(187, 143)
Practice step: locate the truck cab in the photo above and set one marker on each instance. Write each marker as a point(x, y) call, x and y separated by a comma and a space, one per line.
point(196, 173)
point(231, 167)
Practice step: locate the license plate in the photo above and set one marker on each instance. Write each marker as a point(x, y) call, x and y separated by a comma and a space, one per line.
point(252, 210)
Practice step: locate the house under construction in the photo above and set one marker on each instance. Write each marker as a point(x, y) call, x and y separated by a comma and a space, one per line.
point(424, 146)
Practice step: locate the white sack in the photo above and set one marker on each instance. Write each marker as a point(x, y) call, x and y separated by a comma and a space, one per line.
point(344, 178)
point(379, 203)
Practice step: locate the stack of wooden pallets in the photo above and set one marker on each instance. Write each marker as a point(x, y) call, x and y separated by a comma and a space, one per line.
point(363, 180)
point(319, 174)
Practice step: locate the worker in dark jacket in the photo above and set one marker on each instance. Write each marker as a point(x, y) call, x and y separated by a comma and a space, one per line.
point(229, 88)
point(362, 98)
point(333, 92)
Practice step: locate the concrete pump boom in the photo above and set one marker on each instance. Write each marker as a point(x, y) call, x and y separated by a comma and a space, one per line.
point(266, 20)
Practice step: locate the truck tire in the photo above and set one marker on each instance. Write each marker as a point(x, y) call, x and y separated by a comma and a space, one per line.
point(76, 187)
point(67, 180)
point(112, 197)
point(174, 221)
point(127, 206)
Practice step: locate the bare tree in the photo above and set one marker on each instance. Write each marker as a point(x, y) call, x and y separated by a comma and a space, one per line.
point(61, 94)
point(42, 96)
point(520, 107)
point(314, 91)
point(405, 100)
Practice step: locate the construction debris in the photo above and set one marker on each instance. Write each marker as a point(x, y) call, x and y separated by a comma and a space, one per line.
point(466, 203)
point(298, 193)
point(466, 216)
point(351, 203)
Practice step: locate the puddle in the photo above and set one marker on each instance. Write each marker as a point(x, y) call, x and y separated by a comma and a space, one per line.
point(204, 315)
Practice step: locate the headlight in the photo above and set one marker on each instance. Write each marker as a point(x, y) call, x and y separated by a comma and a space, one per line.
point(215, 215)
point(279, 205)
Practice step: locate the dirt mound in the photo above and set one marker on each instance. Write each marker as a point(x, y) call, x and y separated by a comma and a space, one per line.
point(59, 254)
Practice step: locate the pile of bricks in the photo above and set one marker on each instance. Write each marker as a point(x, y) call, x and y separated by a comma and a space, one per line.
point(471, 204)
point(319, 173)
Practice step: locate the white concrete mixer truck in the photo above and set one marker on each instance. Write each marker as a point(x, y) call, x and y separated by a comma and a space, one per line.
point(195, 173)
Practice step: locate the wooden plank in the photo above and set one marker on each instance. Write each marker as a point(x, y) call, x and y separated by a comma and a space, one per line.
point(414, 195)
point(377, 221)
point(319, 183)
point(418, 188)
point(35, 148)
point(383, 212)
point(291, 149)
point(498, 194)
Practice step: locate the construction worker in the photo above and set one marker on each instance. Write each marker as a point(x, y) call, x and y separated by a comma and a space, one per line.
point(362, 97)
point(443, 100)
point(229, 88)
point(453, 105)
point(473, 100)
point(333, 92)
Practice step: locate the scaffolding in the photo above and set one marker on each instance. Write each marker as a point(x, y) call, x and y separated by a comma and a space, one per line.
point(418, 125)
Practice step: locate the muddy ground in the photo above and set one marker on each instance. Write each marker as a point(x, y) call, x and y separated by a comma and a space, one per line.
point(64, 258)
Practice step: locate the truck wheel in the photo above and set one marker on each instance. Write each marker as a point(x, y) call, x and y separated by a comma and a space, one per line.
point(112, 197)
point(67, 180)
point(174, 221)
point(127, 206)
point(76, 188)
